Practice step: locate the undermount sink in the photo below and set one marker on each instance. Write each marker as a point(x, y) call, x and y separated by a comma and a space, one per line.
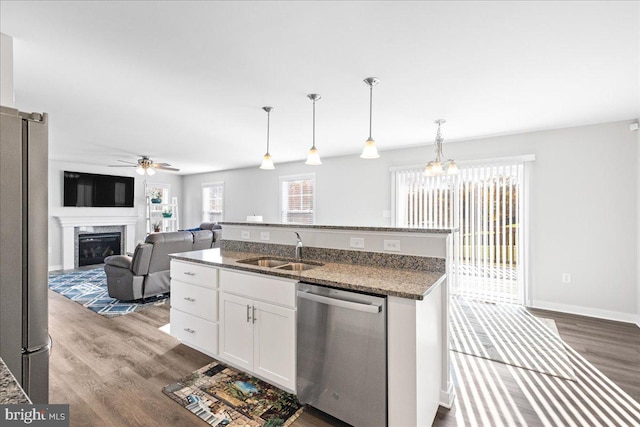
point(281, 264)
point(264, 262)
point(296, 266)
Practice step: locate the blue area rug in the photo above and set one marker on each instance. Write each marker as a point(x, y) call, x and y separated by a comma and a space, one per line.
point(89, 288)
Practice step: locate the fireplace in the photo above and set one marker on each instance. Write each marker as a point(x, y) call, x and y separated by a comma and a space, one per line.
point(93, 248)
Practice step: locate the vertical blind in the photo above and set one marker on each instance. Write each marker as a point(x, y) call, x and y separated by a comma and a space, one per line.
point(484, 205)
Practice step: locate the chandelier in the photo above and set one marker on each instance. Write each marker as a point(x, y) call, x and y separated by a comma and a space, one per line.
point(438, 166)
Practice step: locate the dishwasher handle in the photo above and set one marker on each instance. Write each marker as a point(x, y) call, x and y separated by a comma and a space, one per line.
point(368, 308)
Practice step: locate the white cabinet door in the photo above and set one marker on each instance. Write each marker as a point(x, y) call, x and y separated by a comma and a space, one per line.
point(236, 330)
point(274, 348)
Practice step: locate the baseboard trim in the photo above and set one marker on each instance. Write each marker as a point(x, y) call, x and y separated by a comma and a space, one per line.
point(586, 311)
point(55, 267)
point(447, 396)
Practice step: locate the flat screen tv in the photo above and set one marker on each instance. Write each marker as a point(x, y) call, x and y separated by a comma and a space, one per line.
point(100, 191)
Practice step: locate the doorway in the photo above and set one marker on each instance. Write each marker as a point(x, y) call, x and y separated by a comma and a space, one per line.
point(485, 204)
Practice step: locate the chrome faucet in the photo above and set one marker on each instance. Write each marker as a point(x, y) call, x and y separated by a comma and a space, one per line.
point(299, 246)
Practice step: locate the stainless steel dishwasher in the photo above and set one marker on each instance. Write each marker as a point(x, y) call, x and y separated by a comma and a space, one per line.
point(342, 354)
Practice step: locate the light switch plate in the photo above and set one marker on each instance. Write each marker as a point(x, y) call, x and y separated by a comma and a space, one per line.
point(265, 235)
point(357, 242)
point(246, 234)
point(392, 245)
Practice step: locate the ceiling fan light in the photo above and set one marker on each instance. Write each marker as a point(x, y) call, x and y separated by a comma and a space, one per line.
point(151, 172)
point(267, 162)
point(140, 170)
point(313, 158)
point(369, 151)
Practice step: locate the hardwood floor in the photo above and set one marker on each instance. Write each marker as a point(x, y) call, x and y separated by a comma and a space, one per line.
point(111, 371)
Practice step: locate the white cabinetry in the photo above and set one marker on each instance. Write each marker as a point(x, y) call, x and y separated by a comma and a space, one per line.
point(194, 305)
point(258, 323)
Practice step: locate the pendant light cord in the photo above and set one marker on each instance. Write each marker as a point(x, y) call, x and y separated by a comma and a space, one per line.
point(370, 108)
point(268, 121)
point(314, 125)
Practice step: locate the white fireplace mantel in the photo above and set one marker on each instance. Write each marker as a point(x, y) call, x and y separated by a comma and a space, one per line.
point(68, 224)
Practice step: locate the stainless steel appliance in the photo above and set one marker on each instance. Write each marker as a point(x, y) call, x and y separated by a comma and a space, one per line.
point(24, 339)
point(342, 354)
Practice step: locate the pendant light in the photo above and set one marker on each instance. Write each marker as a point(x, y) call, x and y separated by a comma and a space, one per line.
point(267, 162)
point(437, 166)
point(370, 151)
point(314, 157)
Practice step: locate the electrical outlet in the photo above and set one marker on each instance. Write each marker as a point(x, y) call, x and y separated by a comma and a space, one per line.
point(566, 277)
point(265, 235)
point(246, 234)
point(356, 242)
point(392, 245)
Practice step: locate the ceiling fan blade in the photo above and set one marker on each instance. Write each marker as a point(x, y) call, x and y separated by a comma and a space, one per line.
point(165, 168)
point(131, 163)
point(123, 166)
point(155, 165)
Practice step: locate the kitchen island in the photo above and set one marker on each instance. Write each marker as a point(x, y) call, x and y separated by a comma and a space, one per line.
point(240, 288)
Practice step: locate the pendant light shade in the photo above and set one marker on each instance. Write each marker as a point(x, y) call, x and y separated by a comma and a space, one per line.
point(313, 158)
point(370, 151)
point(438, 166)
point(267, 162)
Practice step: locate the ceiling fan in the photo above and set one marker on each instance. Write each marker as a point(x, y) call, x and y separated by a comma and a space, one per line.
point(145, 165)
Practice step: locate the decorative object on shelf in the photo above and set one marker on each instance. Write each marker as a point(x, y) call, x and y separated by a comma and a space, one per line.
point(156, 197)
point(437, 166)
point(156, 226)
point(370, 151)
point(225, 396)
point(167, 214)
point(145, 166)
point(267, 161)
point(314, 157)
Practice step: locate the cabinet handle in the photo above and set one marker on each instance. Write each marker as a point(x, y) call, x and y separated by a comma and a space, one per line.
point(254, 315)
point(191, 331)
point(188, 273)
point(190, 299)
point(248, 313)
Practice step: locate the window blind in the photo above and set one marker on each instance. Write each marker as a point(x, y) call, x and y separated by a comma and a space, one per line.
point(212, 202)
point(483, 204)
point(297, 199)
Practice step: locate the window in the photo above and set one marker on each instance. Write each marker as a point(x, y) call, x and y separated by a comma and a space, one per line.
point(212, 201)
point(297, 199)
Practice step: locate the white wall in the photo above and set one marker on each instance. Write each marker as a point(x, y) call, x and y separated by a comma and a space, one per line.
point(638, 216)
point(56, 208)
point(584, 199)
point(6, 71)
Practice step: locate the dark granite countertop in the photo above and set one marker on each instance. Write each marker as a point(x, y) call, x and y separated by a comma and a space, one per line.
point(10, 391)
point(343, 227)
point(398, 282)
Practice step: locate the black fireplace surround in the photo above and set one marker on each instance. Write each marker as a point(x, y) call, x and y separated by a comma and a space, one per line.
point(93, 248)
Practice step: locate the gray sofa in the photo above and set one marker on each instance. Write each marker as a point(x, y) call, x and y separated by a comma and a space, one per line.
point(146, 273)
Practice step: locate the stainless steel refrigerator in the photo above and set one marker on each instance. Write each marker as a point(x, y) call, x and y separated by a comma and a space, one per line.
point(24, 338)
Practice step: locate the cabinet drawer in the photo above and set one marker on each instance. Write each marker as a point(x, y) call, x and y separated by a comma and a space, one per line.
point(196, 274)
point(260, 287)
point(196, 300)
point(194, 331)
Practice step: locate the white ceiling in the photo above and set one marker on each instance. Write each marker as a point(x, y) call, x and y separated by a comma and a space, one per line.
point(185, 82)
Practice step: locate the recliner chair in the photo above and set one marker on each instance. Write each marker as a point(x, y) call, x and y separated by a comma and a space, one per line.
point(146, 273)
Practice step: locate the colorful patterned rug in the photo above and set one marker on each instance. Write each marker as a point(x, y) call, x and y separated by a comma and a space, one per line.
point(89, 288)
point(221, 395)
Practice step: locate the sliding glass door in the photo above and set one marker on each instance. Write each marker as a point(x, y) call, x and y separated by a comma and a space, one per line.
point(485, 204)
